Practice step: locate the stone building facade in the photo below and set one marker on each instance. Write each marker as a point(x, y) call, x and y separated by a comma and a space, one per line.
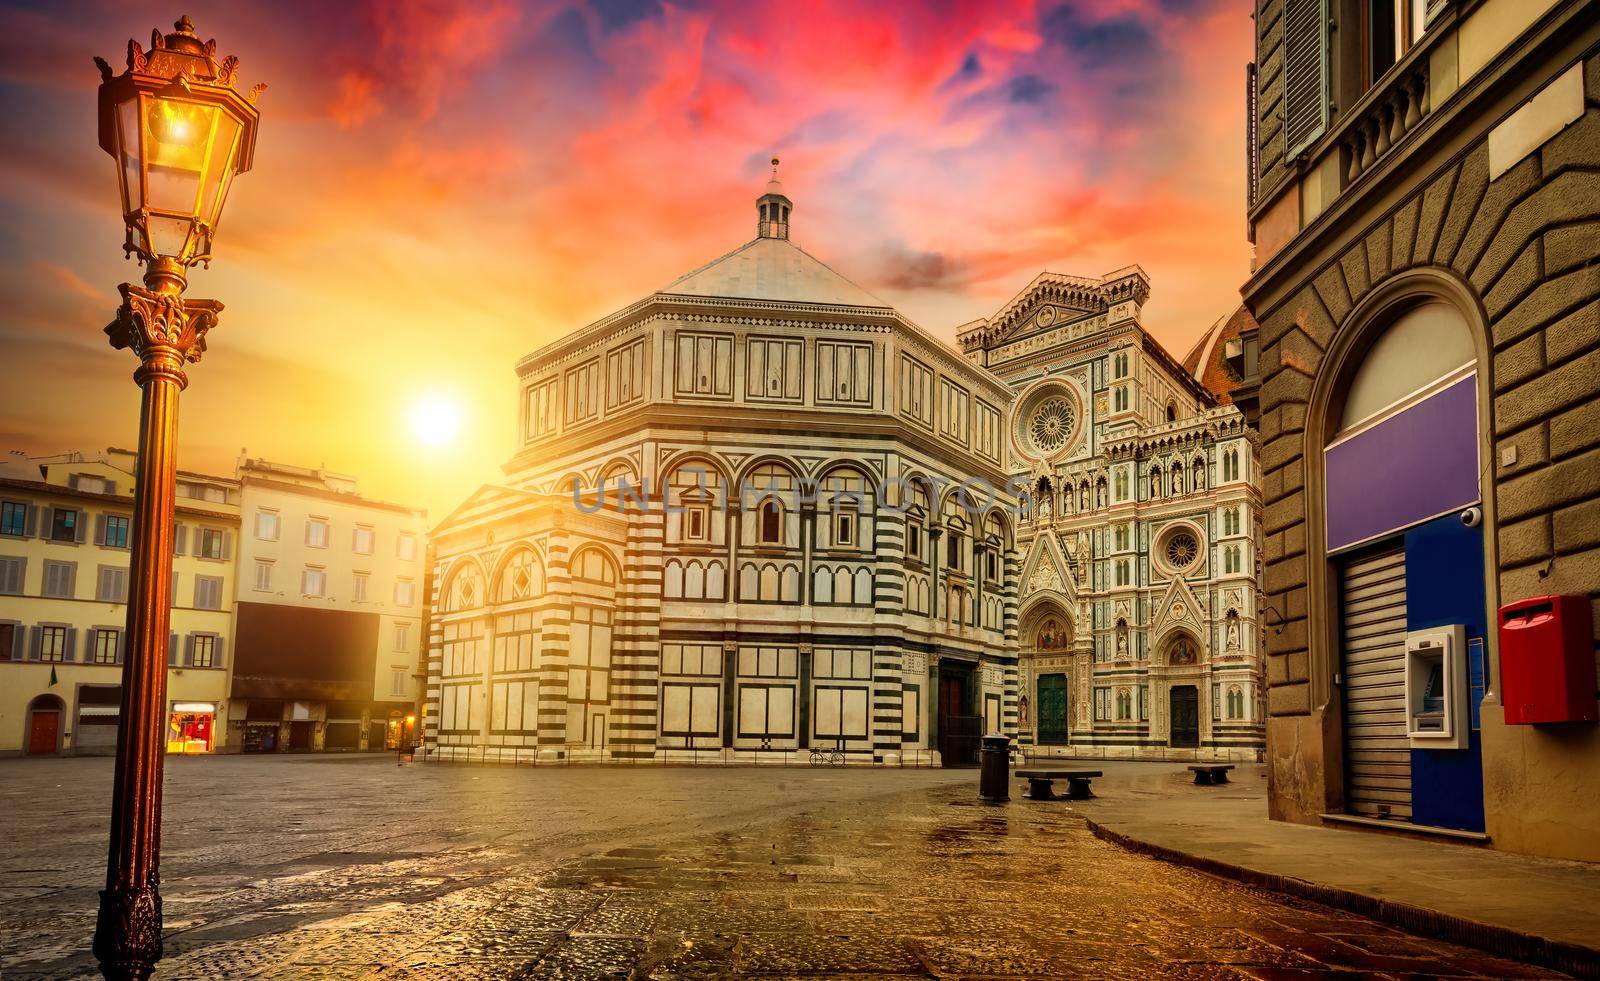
point(759, 514)
point(1425, 215)
point(1139, 623)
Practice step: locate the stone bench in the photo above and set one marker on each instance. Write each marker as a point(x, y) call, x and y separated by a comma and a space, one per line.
point(1206, 774)
point(1039, 783)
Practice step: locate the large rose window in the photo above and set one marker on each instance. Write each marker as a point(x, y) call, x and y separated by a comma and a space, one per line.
point(1181, 550)
point(1051, 424)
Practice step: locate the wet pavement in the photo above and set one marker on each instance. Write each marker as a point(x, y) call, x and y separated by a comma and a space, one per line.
point(319, 867)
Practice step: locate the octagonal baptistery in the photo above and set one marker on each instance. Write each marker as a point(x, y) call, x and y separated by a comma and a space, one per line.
point(754, 515)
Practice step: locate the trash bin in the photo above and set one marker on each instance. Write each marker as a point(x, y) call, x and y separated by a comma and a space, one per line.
point(994, 780)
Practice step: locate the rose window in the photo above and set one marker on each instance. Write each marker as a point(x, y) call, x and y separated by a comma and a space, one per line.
point(1051, 424)
point(1182, 550)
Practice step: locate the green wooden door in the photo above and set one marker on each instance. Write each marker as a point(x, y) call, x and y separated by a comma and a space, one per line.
point(1053, 709)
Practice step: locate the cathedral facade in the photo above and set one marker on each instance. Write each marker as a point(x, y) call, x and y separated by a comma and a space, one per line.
point(760, 516)
point(1139, 630)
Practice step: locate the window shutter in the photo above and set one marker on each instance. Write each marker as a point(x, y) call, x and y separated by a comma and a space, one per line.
point(100, 529)
point(180, 539)
point(72, 481)
point(30, 520)
point(218, 647)
point(36, 648)
point(69, 649)
point(227, 545)
point(49, 520)
point(172, 649)
point(78, 530)
point(122, 646)
point(1305, 73)
point(111, 487)
point(188, 651)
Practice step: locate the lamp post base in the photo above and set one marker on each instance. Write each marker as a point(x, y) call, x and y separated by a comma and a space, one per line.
point(127, 937)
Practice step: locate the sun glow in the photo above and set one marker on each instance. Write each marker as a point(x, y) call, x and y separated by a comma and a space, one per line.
point(435, 420)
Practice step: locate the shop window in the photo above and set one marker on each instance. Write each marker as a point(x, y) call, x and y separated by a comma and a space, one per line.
point(190, 727)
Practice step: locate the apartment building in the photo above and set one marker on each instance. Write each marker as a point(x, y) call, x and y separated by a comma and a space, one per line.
point(296, 608)
point(1422, 201)
point(329, 605)
point(64, 546)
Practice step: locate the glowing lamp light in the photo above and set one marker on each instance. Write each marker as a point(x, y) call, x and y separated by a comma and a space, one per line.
point(180, 133)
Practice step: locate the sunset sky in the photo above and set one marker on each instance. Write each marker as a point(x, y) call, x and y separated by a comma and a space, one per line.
point(441, 187)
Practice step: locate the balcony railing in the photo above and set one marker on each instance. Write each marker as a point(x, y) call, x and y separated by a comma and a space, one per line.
point(1383, 122)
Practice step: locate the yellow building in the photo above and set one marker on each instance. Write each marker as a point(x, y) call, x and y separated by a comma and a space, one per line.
point(64, 538)
point(329, 610)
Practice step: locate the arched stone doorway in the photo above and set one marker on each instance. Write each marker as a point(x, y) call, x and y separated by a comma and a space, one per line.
point(1180, 665)
point(43, 730)
point(1045, 705)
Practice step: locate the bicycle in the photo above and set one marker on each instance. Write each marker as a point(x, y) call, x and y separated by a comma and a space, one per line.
point(834, 757)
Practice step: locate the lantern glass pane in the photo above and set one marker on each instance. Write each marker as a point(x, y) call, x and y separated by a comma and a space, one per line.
point(177, 141)
point(168, 236)
point(128, 144)
point(219, 168)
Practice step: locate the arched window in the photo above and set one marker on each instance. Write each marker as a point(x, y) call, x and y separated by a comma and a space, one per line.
point(1172, 411)
point(958, 515)
point(1124, 704)
point(847, 500)
point(918, 510)
point(694, 497)
point(1235, 702)
point(771, 522)
point(521, 577)
point(465, 589)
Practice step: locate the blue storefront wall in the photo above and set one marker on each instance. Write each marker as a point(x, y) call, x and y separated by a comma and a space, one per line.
point(1413, 472)
point(1445, 585)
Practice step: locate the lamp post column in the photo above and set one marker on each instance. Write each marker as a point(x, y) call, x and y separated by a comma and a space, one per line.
point(166, 332)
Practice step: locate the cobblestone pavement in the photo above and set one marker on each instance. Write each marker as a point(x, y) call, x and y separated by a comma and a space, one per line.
point(328, 867)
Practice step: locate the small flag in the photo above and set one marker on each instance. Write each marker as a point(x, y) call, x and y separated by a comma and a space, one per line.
point(53, 678)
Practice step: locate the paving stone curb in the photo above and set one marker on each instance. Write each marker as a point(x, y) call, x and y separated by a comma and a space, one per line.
point(1574, 959)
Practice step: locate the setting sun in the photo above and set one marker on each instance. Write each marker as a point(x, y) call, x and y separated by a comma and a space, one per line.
point(435, 420)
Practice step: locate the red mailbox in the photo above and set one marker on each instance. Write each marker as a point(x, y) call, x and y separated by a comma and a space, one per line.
point(1547, 661)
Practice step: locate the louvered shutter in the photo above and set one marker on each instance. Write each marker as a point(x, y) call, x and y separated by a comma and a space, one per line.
point(218, 647)
point(1377, 750)
point(172, 649)
point(111, 487)
point(78, 530)
point(30, 521)
point(180, 539)
point(122, 646)
point(188, 651)
point(36, 647)
point(100, 529)
point(227, 545)
point(69, 652)
point(49, 520)
point(1305, 73)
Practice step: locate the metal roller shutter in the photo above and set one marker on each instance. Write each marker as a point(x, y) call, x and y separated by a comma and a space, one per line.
point(1373, 625)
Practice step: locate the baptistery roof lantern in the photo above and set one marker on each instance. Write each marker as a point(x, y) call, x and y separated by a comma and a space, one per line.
point(772, 208)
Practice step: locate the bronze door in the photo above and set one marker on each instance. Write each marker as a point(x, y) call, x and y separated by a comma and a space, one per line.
point(1185, 704)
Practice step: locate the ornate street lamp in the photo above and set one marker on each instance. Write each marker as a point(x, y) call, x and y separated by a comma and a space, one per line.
point(179, 133)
